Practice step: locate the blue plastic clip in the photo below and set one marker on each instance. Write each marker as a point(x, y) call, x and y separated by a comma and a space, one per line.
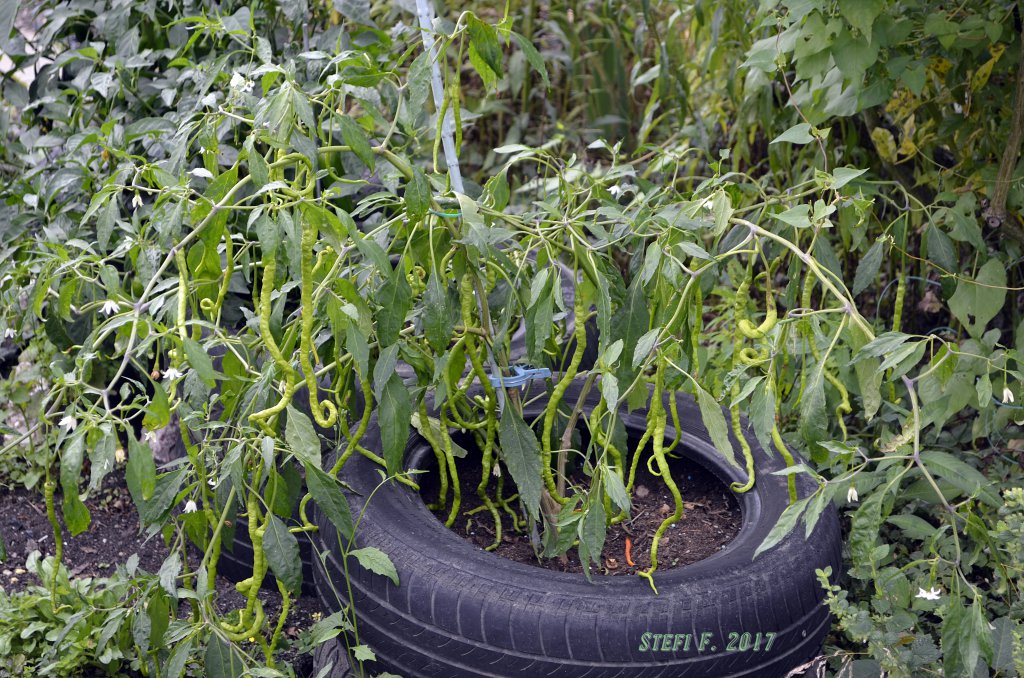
point(521, 376)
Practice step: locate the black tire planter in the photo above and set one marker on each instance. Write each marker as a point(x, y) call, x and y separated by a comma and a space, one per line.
point(461, 612)
point(331, 655)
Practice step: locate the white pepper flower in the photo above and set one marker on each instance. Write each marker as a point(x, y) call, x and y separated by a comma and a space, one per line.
point(240, 83)
point(110, 306)
point(201, 172)
point(68, 423)
point(9, 333)
point(190, 506)
point(1007, 395)
point(171, 374)
point(932, 594)
point(851, 495)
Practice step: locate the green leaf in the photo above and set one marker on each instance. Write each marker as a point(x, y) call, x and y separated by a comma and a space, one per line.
point(383, 369)
point(8, 13)
point(330, 499)
point(966, 637)
point(259, 170)
point(168, 574)
point(868, 267)
point(610, 390)
point(799, 216)
point(785, 524)
point(714, 422)
point(440, 312)
point(417, 195)
point(76, 514)
point(521, 453)
point(302, 438)
point(355, 137)
point(961, 475)
point(592, 531)
point(813, 419)
point(223, 660)
point(395, 299)
point(140, 472)
point(282, 551)
point(363, 653)
point(1003, 642)
point(395, 418)
point(615, 488)
point(167, 486)
point(418, 82)
point(533, 57)
point(200, 361)
point(484, 39)
point(268, 232)
point(645, 345)
point(844, 175)
point(797, 134)
point(355, 10)
point(861, 13)
point(940, 248)
point(376, 561)
point(158, 411)
point(105, 222)
point(976, 302)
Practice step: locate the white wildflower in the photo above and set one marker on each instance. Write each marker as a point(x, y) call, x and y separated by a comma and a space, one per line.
point(240, 83)
point(932, 594)
point(190, 506)
point(137, 201)
point(851, 495)
point(119, 455)
point(9, 333)
point(68, 423)
point(201, 172)
point(150, 436)
point(110, 306)
point(1007, 395)
point(171, 374)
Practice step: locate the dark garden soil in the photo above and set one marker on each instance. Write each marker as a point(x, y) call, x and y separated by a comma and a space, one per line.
point(711, 519)
point(112, 537)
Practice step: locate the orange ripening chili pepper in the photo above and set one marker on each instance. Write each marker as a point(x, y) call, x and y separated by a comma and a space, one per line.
point(629, 549)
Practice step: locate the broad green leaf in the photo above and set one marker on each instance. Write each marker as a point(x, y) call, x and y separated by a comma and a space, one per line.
point(799, 216)
point(940, 249)
point(915, 527)
point(797, 134)
point(785, 524)
point(395, 299)
point(1003, 643)
point(222, 659)
point(200, 361)
point(868, 267)
point(140, 472)
point(302, 438)
point(158, 410)
point(961, 475)
point(592, 532)
point(533, 57)
point(977, 301)
point(966, 637)
point(645, 345)
point(8, 13)
point(268, 232)
point(418, 82)
point(363, 653)
point(616, 489)
point(417, 195)
point(282, 551)
point(861, 13)
point(395, 412)
point(355, 137)
point(376, 561)
point(168, 574)
point(383, 369)
point(484, 39)
point(844, 175)
point(813, 418)
point(330, 499)
point(259, 170)
point(440, 313)
point(881, 345)
point(521, 454)
point(610, 390)
point(714, 422)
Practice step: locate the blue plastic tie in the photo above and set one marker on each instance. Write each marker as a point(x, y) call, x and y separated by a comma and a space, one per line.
point(520, 377)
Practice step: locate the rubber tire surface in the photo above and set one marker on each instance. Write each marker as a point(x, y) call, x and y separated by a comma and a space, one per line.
point(461, 612)
point(331, 652)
